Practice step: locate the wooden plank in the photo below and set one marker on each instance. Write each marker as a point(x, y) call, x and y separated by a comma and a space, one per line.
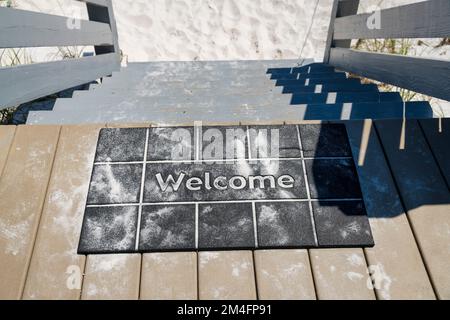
point(437, 133)
point(6, 138)
point(340, 8)
point(169, 276)
point(329, 43)
point(102, 3)
point(284, 275)
point(427, 19)
point(104, 13)
point(341, 274)
point(112, 277)
point(22, 192)
point(227, 275)
point(346, 8)
point(41, 79)
point(56, 269)
point(425, 196)
point(21, 29)
point(105, 273)
point(395, 262)
point(427, 76)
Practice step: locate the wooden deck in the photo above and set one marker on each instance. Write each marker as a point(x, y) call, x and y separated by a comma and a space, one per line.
point(45, 173)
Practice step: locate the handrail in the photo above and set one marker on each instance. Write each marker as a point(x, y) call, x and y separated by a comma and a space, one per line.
point(22, 28)
point(427, 19)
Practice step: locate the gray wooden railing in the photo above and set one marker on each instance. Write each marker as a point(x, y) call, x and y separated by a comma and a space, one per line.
point(427, 19)
point(21, 29)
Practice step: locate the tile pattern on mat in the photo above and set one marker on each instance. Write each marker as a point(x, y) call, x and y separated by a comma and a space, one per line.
point(214, 188)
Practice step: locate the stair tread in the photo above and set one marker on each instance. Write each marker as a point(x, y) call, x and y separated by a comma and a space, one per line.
point(149, 79)
point(89, 102)
point(229, 91)
point(241, 90)
point(216, 86)
point(356, 111)
point(85, 97)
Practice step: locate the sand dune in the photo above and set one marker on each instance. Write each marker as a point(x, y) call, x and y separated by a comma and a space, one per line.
point(221, 29)
point(217, 29)
point(214, 29)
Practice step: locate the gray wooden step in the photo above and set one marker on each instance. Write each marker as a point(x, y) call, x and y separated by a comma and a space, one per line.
point(207, 94)
point(110, 82)
point(226, 90)
point(215, 86)
point(134, 80)
point(315, 67)
point(225, 64)
point(86, 102)
point(292, 99)
point(143, 114)
point(296, 76)
point(130, 78)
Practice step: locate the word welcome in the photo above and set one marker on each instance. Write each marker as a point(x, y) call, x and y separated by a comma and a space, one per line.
point(222, 183)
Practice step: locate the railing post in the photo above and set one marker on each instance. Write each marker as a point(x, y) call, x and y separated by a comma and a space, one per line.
point(341, 8)
point(104, 14)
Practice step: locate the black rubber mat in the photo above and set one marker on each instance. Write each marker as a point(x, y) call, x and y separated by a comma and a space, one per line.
point(223, 188)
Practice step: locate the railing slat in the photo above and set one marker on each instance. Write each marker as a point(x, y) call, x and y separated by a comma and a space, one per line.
point(28, 82)
point(102, 3)
point(340, 8)
point(106, 15)
point(428, 19)
point(20, 28)
point(426, 76)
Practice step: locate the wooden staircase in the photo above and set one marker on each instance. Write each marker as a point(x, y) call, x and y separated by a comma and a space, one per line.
point(228, 92)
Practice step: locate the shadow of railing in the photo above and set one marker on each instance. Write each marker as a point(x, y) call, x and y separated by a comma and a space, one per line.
point(395, 168)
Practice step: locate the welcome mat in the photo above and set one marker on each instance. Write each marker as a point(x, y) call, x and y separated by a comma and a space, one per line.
point(223, 188)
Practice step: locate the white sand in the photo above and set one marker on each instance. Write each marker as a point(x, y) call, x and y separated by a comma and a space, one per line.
point(210, 29)
point(217, 29)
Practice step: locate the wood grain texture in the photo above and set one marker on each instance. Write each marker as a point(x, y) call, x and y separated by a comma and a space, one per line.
point(6, 138)
point(427, 19)
point(395, 262)
point(425, 195)
point(104, 12)
point(437, 133)
point(21, 29)
point(284, 275)
point(226, 275)
point(35, 81)
point(341, 274)
point(112, 277)
point(22, 191)
point(55, 266)
point(345, 8)
point(329, 43)
point(169, 276)
point(427, 76)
